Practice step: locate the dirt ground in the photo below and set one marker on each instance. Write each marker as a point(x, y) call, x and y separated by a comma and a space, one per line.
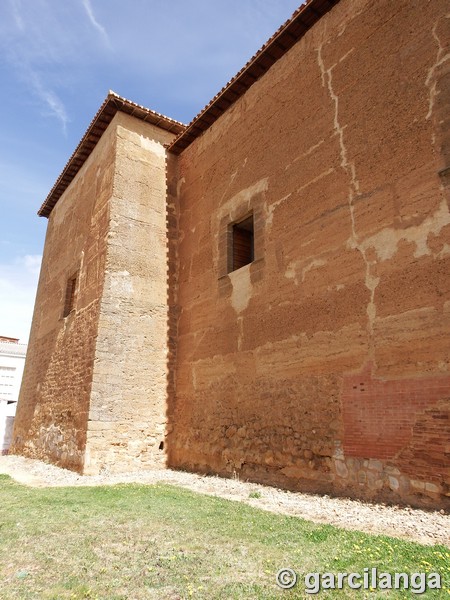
point(407, 523)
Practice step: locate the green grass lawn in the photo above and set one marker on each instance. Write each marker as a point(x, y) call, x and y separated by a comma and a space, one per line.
point(134, 542)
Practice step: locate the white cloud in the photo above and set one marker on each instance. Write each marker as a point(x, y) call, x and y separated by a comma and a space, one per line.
point(32, 262)
point(90, 13)
point(15, 7)
point(18, 283)
point(33, 55)
point(56, 106)
point(47, 43)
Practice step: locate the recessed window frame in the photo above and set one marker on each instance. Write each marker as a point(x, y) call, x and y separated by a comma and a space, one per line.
point(241, 243)
point(70, 295)
point(237, 214)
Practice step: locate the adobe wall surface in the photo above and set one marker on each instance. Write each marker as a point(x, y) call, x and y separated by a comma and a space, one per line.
point(52, 412)
point(127, 413)
point(324, 364)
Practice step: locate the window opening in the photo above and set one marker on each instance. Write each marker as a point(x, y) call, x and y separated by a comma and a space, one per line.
point(242, 246)
point(69, 302)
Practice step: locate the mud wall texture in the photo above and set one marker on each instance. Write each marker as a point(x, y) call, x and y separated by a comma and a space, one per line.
point(52, 412)
point(127, 416)
point(324, 364)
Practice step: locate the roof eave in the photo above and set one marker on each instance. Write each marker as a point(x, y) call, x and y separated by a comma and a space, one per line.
point(282, 40)
point(111, 105)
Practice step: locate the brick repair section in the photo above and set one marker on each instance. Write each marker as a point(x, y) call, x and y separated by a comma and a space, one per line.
point(381, 416)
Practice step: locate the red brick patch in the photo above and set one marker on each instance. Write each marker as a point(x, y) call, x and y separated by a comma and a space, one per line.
point(379, 415)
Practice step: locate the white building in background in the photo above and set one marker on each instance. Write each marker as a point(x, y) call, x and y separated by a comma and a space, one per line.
point(12, 361)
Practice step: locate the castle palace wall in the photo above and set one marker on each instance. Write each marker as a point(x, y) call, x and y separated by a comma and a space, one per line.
point(323, 364)
point(127, 416)
point(53, 408)
point(270, 300)
point(93, 396)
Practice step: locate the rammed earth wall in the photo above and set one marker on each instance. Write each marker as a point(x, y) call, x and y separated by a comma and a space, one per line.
point(323, 365)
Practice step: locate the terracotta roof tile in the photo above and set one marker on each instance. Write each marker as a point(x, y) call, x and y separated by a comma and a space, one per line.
point(112, 104)
point(282, 40)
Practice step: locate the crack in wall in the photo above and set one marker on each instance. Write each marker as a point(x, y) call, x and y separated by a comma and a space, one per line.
point(315, 179)
point(310, 150)
point(314, 264)
point(269, 210)
point(431, 80)
point(371, 282)
point(240, 322)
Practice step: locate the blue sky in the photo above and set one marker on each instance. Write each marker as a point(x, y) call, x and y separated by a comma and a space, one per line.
point(58, 59)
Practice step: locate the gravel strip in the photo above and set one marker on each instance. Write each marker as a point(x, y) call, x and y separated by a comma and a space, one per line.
point(407, 523)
